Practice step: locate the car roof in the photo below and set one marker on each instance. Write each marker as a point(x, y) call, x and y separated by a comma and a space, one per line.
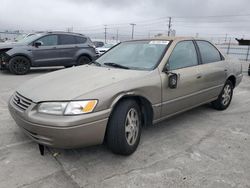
point(179, 38)
point(61, 32)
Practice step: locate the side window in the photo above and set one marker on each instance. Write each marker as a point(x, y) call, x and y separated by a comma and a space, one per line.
point(67, 39)
point(49, 40)
point(209, 53)
point(183, 55)
point(80, 40)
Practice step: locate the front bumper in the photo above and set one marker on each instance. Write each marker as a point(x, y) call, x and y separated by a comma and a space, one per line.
point(61, 131)
point(3, 61)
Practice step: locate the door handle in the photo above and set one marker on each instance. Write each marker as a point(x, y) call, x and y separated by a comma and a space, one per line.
point(225, 70)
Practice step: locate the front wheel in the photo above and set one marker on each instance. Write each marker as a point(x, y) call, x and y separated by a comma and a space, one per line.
point(225, 97)
point(19, 65)
point(83, 60)
point(124, 128)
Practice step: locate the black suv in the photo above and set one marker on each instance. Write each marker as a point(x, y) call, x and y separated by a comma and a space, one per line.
point(46, 49)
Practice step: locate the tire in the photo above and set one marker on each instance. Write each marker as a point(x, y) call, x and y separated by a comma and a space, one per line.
point(225, 97)
point(68, 66)
point(123, 135)
point(83, 60)
point(19, 65)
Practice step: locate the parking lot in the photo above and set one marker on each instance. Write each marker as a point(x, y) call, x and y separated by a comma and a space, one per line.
point(200, 148)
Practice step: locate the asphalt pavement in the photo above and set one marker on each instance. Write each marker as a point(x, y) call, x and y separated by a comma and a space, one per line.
point(199, 148)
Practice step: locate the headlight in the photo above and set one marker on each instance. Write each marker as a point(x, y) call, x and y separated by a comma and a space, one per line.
point(67, 108)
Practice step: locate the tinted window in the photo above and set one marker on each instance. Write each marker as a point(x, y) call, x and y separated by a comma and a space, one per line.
point(208, 52)
point(67, 39)
point(183, 55)
point(49, 40)
point(80, 40)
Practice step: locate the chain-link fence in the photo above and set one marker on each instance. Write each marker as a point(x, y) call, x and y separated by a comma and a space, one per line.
point(240, 52)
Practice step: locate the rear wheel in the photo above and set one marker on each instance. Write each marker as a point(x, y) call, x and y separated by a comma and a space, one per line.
point(19, 65)
point(124, 128)
point(82, 60)
point(225, 97)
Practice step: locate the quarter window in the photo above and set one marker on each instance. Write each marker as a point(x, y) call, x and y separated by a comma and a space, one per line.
point(80, 40)
point(49, 40)
point(183, 55)
point(209, 53)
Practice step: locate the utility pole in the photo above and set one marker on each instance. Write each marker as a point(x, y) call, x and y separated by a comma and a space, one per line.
point(133, 26)
point(105, 33)
point(226, 38)
point(117, 32)
point(169, 25)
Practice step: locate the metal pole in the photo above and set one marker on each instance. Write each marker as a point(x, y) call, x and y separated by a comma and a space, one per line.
point(248, 49)
point(117, 35)
point(133, 26)
point(105, 33)
point(226, 38)
point(169, 25)
point(228, 48)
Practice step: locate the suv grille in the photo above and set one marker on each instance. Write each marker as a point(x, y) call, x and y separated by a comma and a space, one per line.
point(21, 102)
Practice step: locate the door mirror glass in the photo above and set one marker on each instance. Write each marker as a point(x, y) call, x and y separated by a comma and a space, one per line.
point(172, 80)
point(38, 43)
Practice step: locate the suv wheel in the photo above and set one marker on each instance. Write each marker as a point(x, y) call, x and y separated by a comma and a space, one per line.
point(19, 65)
point(225, 97)
point(82, 60)
point(124, 128)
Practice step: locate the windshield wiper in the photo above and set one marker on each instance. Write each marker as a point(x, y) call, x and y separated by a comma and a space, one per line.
point(96, 63)
point(116, 65)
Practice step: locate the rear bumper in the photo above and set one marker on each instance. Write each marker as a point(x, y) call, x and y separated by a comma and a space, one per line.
point(67, 137)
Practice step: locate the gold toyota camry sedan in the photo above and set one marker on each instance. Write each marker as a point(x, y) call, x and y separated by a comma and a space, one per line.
point(136, 83)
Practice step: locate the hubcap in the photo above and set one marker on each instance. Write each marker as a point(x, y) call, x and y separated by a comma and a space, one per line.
point(20, 65)
point(132, 126)
point(226, 96)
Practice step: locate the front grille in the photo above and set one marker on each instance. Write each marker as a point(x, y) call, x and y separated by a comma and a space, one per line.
point(21, 102)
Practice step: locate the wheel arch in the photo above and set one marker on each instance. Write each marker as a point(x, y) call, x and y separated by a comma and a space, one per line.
point(232, 78)
point(144, 104)
point(23, 55)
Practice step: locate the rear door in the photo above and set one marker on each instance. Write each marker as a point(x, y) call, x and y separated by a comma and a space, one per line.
point(46, 54)
point(213, 69)
point(67, 48)
point(184, 62)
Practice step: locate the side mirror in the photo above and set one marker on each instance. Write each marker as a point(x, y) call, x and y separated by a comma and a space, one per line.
point(38, 43)
point(166, 68)
point(172, 80)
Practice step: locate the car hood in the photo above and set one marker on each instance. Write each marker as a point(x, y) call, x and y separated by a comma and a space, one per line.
point(9, 45)
point(68, 84)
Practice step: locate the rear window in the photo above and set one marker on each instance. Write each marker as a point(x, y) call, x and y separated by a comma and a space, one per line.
point(209, 53)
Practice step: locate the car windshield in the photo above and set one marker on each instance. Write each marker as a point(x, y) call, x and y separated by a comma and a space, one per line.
point(140, 55)
point(29, 39)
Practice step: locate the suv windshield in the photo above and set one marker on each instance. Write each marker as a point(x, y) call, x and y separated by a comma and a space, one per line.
point(29, 39)
point(142, 55)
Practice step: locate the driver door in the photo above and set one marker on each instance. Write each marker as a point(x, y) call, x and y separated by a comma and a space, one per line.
point(46, 54)
point(184, 62)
